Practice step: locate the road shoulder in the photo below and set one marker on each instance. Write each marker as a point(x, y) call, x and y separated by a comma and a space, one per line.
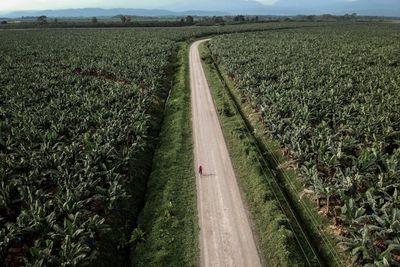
point(169, 220)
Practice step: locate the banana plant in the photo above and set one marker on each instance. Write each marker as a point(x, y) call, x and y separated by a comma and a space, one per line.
point(334, 118)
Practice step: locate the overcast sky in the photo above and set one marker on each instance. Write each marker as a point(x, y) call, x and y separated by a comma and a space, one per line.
point(12, 5)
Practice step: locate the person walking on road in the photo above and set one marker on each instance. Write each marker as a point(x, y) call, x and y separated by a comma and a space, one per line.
point(201, 170)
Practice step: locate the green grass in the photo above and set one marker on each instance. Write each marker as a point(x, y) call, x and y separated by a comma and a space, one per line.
point(169, 219)
point(254, 175)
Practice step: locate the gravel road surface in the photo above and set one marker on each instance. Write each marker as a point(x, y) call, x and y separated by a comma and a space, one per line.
point(226, 238)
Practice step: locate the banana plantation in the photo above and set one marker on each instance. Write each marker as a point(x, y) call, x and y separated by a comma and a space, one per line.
point(81, 110)
point(331, 97)
point(79, 114)
point(75, 127)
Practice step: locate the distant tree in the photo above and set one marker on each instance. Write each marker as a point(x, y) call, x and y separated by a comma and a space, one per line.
point(310, 18)
point(328, 17)
point(239, 18)
point(125, 19)
point(350, 16)
point(42, 19)
point(94, 20)
point(3, 22)
point(218, 19)
point(256, 18)
point(182, 20)
point(189, 19)
point(56, 20)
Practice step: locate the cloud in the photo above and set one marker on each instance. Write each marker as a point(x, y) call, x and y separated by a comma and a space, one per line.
point(43, 4)
point(268, 2)
point(11, 5)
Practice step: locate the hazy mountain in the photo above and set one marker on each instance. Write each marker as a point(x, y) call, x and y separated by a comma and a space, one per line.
point(233, 6)
point(371, 7)
point(294, 7)
point(99, 12)
point(245, 7)
point(339, 7)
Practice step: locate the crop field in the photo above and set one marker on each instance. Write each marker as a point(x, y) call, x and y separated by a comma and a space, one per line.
point(96, 151)
point(331, 97)
point(79, 114)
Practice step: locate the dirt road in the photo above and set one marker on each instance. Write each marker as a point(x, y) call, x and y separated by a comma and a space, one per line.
point(226, 238)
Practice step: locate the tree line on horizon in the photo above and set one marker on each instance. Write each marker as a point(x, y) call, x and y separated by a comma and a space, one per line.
point(128, 20)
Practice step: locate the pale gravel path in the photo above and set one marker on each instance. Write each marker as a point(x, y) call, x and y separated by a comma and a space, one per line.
point(226, 238)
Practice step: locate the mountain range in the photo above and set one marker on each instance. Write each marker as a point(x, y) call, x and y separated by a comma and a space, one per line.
point(246, 7)
point(100, 12)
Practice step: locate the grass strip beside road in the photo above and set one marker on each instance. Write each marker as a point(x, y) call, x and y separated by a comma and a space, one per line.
point(168, 230)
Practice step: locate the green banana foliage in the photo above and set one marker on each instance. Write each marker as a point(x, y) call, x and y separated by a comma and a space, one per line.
point(331, 96)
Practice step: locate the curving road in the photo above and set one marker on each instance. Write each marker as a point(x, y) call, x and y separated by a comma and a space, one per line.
point(226, 238)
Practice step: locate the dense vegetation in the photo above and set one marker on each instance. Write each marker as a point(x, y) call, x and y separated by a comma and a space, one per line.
point(331, 96)
point(169, 218)
point(280, 241)
point(79, 113)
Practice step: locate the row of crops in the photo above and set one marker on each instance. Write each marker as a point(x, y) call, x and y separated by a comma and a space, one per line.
point(331, 97)
point(79, 113)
